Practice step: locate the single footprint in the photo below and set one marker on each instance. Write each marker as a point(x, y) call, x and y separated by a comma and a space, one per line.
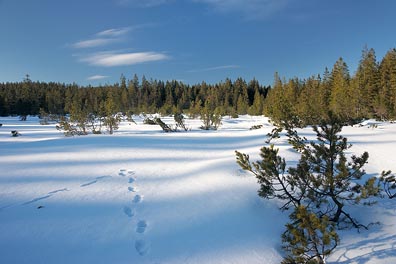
point(138, 198)
point(131, 172)
point(142, 247)
point(128, 211)
point(132, 189)
point(141, 226)
point(131, 180)
point(122, 172)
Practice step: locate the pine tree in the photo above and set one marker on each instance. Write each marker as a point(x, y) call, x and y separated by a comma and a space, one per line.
point(79, 116)
point(323, 180)
point(308, 238)
point(330, 178)
point(210, 116)
point(272, 177)
point(112, 119)
point(389, 183)
point(179, 119)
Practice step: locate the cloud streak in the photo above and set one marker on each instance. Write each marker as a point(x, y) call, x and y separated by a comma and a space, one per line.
point(114, 32)
point(103, 38)
point(110, 59)
point(251, 9)
point(215, 68)
point(97, 77)
point(91, 43)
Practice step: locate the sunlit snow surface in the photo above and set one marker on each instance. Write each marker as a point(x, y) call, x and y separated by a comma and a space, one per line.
point(145, 196)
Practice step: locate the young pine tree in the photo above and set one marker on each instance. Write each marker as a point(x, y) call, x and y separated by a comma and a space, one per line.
point(308, 238)
point(318, 189)
point(323, 180)
point(111, 119)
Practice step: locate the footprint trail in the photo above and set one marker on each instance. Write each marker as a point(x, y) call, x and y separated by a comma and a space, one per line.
point(142, 246)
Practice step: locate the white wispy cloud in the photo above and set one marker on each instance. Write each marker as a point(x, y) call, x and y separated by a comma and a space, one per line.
point(114, 32)
point(103, 38)
point(91, 43)
point(97, 77)
point(251, 9)
point(216, 68)
point(110, 59)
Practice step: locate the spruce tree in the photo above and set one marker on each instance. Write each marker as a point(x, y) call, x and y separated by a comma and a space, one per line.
point(367, 83)
point(257, 106)
point(385, 106)
point(340, 98)
point(309, 108)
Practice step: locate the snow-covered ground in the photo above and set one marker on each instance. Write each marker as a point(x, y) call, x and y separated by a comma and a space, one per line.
point(144, 196)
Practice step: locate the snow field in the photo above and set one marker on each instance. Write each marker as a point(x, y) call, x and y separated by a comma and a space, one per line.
point(144, 196)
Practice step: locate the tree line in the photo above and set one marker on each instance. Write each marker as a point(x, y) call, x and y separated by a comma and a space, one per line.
point(369, 93)
point(132, 96)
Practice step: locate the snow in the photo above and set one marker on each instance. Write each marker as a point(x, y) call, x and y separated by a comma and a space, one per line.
point(145, 196)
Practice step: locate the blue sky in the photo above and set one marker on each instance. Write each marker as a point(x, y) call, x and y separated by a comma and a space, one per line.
point(95, 41)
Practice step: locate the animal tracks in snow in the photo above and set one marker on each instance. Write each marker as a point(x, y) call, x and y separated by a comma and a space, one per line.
point(38, 199)
point(138, 198)
point(142, 247)
point(124, 172)
point(141, 226)
point(59, 190)
point(94, 181)
point(51, 193)
point(132, 189)
point(45, 196)
point(128, 211)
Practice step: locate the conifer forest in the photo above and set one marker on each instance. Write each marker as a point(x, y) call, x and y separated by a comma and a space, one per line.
point(370, 92)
